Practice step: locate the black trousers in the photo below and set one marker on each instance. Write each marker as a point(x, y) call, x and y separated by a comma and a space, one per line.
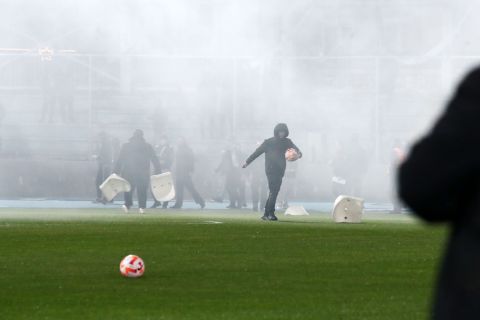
point(274, 184)
point(185, 182)
point(141, 186)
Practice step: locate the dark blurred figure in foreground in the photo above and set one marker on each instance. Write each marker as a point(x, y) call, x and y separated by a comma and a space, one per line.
point(440, 181)
point(166, 156)
point(133, 165)
point(104, 157)
point(275, 164)
point(184, 166)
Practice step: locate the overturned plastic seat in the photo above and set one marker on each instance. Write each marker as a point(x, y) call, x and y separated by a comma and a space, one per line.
point(162, 187)
point(296, 211)
point(347, 210)
point(113, 185)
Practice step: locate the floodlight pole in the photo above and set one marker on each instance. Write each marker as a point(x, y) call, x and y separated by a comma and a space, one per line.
point(234, 97)
point(376, 116)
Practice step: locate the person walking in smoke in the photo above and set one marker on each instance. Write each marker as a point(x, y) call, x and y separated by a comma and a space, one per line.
point(184, 166)
point(237, 159)
point(166, 156)
point(275, 164)
point(232, 179)
point(133, 164)
point(104, 157)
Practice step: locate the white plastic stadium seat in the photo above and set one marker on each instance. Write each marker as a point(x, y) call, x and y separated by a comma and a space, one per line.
point(296, 211)
point(347, 210)
point(162, 186)
point(113, 185)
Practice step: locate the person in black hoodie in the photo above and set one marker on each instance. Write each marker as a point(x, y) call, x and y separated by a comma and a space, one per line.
point(133, 165)
point(440, 181)
point(184, 166)
point(275, 164)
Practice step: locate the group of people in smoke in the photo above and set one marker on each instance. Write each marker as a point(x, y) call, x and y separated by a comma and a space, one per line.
point(133, 163)
point(135, 158)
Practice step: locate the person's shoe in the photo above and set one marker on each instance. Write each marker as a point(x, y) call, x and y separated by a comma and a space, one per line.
point(272, 217)
point(141, 210)
point(125, 208)
point(265, 218)
point(175, 207)
point(154, 206)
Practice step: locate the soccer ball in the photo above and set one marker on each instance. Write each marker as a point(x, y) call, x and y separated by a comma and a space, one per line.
point(291, 155)
point(132, 266)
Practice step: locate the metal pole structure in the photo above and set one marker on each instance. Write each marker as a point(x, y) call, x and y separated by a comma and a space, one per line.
point(376, 116)
point(90, 102)
point(234, 97)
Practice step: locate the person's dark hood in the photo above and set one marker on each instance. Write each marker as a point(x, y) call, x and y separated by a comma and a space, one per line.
point(280, 127)
point(137, 136)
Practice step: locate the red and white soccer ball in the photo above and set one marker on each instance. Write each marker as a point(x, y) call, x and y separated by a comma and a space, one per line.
point(132, 266)
point(291, 155)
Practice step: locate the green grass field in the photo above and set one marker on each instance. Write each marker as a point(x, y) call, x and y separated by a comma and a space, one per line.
point(63, 264)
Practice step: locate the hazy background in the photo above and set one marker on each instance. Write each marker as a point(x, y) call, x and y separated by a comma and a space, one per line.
point(223, 73)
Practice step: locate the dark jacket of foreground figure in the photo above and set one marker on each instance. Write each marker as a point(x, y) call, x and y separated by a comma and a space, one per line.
point(440, 181)
point(274, 149)
point(134, 160)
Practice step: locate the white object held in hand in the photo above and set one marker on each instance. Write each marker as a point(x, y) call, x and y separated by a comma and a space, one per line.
point(113, 185)
point(163, 187)
point(291, 155)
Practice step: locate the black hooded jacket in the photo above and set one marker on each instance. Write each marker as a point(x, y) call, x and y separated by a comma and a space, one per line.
point(134, 159)
point(274, 149)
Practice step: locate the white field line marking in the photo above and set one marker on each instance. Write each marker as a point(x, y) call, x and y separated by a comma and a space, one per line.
point(206, 222)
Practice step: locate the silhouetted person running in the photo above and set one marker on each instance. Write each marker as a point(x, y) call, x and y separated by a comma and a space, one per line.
point(166, 156)
point(133, 165)
point(275, 164)
point(440, 181)
point(184, 167)
point(232, 179)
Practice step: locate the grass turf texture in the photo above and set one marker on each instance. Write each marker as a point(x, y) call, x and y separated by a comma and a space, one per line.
point(63, 264)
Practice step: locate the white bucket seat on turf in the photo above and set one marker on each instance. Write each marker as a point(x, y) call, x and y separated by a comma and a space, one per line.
point(113, 185)
point(347, 210)
point(296, 211)
point(162, 187)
